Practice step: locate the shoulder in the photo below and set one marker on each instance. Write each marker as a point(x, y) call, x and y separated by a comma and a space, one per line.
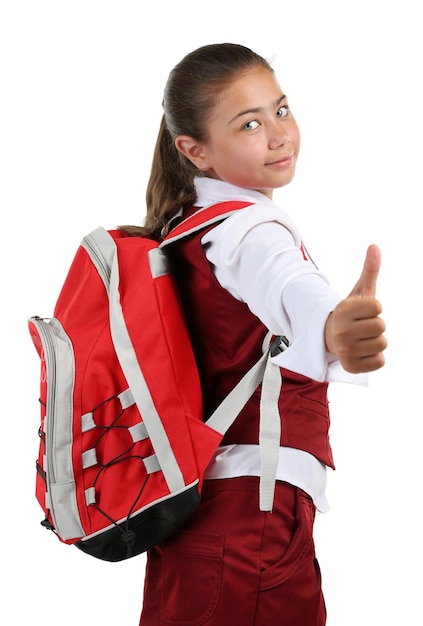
point(258, 217)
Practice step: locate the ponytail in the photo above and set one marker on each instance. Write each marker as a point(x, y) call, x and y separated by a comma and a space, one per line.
point(171, 183)
point(170, 187)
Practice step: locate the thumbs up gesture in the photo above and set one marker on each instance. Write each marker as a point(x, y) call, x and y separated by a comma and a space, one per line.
point(354, 330)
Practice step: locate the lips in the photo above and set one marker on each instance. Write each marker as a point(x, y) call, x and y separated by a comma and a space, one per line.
point(282, 162)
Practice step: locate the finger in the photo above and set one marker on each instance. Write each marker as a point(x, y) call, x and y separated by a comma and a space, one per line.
point(365, 364)
point(366, 284)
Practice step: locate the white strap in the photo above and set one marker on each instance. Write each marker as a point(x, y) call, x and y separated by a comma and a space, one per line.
point(138, 432)
point(90, 496)
point(269, 374)
point(126, 399)
point(87, 422)
point(89, 458)
point(270, 433)
point(226, 413)
point(159, 262)
point(152, 464)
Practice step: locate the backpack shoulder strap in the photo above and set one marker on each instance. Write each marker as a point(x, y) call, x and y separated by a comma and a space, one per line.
point(204, 217)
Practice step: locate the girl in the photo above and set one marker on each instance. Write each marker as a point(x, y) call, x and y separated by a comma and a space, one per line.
point(228, 133)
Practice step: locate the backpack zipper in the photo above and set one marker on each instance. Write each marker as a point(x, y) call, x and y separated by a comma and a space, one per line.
point(58, 467)
point(47, 340)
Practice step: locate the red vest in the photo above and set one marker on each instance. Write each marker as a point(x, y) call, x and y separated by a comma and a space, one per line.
point(227, 340)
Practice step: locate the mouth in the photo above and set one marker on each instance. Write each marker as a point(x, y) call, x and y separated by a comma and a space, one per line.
point(282, 162)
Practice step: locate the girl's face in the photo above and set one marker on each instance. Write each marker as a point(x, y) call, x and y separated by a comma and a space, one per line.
point(253, 139)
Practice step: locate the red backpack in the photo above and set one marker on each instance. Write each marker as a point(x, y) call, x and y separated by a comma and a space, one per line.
point(123, 445)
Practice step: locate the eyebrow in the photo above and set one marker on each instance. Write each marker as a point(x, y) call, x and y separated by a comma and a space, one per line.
point(256, 109)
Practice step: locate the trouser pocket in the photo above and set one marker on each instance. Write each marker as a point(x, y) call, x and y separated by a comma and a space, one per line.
point(300, 549)
point(190, 566)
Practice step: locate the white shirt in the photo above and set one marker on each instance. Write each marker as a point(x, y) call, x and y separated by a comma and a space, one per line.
point(256, 255)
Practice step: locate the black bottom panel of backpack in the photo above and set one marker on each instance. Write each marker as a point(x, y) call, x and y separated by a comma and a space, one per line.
point(144, 530)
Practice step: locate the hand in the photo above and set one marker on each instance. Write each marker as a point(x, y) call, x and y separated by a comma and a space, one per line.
point(354, 330)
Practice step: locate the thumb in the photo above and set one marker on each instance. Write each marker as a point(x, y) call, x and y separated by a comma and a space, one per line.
point(366, 285)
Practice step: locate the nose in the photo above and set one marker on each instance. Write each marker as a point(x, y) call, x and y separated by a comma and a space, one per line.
point(278, 134)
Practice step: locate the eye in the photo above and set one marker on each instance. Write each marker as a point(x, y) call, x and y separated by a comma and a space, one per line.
point(252, 125)
point(282, 111)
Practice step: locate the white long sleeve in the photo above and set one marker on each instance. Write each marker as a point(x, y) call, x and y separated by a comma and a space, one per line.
point(257, 255)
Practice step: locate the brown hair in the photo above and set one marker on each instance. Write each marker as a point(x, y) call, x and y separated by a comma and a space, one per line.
point(189, 98)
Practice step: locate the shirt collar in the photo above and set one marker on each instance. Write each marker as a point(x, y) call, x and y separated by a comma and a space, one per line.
point(210, 190)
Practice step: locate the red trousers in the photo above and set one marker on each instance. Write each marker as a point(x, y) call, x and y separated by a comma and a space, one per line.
point(234, 565)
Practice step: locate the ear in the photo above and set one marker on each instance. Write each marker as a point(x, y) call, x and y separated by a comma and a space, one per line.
point(195, 151)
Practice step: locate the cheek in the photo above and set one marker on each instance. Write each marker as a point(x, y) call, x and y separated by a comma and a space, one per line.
point(296, 136)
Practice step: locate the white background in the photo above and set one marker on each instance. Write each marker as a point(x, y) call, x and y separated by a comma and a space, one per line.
point(81, 88)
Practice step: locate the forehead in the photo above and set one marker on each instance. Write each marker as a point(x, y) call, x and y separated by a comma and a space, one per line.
point(254, 89)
